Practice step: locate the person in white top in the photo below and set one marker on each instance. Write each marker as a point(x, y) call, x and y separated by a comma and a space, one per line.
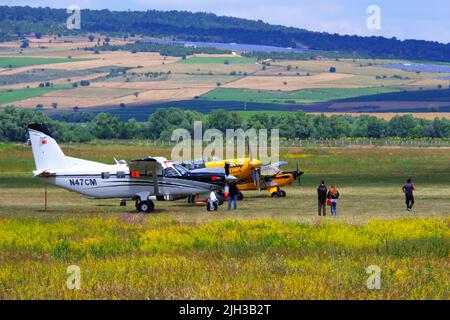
point(213, 202)
point(213, 196)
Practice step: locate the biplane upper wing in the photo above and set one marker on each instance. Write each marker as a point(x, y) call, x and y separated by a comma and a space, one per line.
point(146, 167)
point(274, 166)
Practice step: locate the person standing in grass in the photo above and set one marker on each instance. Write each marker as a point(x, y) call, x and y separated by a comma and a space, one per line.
point(232, 195)
point(322, 198)
point(408, 189)
point(333, 196)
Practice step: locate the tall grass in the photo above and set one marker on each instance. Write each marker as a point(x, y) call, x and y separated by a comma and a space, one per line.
point(136, 257)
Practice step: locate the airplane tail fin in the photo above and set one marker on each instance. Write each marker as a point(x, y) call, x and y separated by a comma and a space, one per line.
point(47, 153)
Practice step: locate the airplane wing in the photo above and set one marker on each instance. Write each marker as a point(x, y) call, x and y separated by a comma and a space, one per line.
point(145, 167)
point(274, 165)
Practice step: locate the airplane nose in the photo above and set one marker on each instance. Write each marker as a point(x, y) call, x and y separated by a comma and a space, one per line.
point(297, 173)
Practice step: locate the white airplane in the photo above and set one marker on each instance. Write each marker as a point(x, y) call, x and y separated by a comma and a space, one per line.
point(139, 180)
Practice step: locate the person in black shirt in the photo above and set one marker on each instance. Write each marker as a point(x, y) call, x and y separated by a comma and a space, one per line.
point(232, 195)
point(408, 189)
point(322, 198)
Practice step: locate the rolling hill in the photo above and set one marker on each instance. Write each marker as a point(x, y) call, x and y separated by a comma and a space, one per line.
point(19, 21)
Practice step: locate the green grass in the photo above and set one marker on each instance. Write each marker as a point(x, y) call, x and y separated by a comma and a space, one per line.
point(8, 96)
point(6, 62)
point(220, 60)
point(299, 96)
point(270, 248)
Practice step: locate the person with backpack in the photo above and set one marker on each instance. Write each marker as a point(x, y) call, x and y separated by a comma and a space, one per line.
point(333, 196)
point(408, 189)
point(322, 198)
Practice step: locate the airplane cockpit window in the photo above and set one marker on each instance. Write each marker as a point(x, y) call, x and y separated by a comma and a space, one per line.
point(170, 172)
point(269, 170)
point(181, 169)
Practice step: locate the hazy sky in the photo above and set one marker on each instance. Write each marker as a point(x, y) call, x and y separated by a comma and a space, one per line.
point(404, 19)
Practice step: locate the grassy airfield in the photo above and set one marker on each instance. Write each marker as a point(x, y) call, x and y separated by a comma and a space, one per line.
point(268, 248)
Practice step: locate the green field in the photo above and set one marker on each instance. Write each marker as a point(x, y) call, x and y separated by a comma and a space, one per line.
point(8, 96)
point(14, 62)
point(300, 96)
point(219, 60)
point(268, 249)
point(248, 114)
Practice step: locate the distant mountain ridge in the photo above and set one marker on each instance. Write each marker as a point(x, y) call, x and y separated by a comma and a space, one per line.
point(19, 21)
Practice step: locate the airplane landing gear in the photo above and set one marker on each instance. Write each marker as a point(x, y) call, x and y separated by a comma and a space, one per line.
point(123, 203)
point(145, 206)
point(240, 196)
point(191, 199)
point(278, 194)
point(221, 199)
point(212, 206)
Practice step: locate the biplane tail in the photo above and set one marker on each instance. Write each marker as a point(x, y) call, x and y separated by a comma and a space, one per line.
point(46, 151)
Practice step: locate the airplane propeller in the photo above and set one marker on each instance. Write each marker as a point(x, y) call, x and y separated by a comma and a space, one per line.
point(227, 168)
point(297, 175)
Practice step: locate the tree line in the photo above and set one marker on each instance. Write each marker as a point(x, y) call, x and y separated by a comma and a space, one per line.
point(20, 21)
point(161, 123)
point(164, 49)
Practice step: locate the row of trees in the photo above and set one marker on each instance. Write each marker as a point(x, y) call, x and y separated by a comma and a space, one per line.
point(294, 125)
point(164, 49)
point(209, 27)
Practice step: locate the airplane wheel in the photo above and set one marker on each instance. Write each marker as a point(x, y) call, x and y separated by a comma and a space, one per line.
point(123, 203)
point(275, 195)
point(240, 196)
point(221, 199)
point(282, 193)
point(146, 206)
point(208, 208)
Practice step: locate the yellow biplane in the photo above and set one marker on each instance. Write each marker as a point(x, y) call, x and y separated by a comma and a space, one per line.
point(252, 175)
